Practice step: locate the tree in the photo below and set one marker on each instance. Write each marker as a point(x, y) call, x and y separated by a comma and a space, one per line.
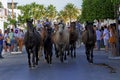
point(1, 6)
point(71, 11)
point(26, 13)
point(97, 9)
point(62, 15)
point(41, 11)
point(51, 12)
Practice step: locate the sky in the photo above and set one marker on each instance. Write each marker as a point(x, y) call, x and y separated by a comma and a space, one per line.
point(59, 4)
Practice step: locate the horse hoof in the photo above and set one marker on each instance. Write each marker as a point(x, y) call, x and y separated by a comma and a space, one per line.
point(65, 58)
point(50, 62)
point(57, 56)
point(36, 66)
point(67, 53)
point(71, 56)
point(30, 66)
point(74, 56)
point(91, 61)
point(61, 60)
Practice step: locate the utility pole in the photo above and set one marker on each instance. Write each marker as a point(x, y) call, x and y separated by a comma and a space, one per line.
point(12, 9)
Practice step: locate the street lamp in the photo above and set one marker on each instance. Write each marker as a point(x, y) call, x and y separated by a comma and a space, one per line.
point(12, 9)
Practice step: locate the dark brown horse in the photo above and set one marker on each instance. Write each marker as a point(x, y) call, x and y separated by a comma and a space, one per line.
point(89, 39)
point(73, 38)
point(32, 44)
point(48, 44)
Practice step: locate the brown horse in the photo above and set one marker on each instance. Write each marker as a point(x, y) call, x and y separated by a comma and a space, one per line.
point(43, 35)
point(89, 39)
point(73, 38)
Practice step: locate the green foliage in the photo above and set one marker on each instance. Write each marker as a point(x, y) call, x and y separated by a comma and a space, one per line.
point(97, 9)
point(12, 21)
point(38, 11)
point(70, 12)
point(5, 25)
point(51, 12)
point(1, 6)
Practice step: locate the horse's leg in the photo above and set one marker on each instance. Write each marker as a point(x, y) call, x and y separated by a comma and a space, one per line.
point(47, 56)
point(74, 50)
point(87, 54)
point(40, 52)
point(50, 57)
point(61, 56)
point(91, 56)
point(71, 48)
point(56, 52)
point(29, 62)
point(33, 58)
point(65, 57)
point(45, 53)
point(37, 56)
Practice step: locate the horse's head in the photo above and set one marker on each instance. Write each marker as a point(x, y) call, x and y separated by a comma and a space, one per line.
point(73, 24)
point(30, 24)
point(30, 27)
point(60, 28)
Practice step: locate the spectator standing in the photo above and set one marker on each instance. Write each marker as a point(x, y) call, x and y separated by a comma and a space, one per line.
point(11, 36)
point(113, 40)
point(5, 40)
point(106, 38)
point(38, 26)
point(1, 43)
point(98, 38)
point(20, 39)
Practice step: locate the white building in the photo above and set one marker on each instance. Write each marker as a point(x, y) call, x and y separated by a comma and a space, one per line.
point(7, 11)
point(3, 14)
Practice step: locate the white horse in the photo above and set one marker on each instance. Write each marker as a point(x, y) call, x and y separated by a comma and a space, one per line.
point(61, 41)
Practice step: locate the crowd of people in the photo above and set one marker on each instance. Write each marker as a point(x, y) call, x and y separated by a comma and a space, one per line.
point(106, 37)
point(11, 40)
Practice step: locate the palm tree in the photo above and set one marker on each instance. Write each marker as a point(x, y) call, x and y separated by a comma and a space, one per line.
point(51, 12)
point(41, 11)
point(71, 11)
point(62, 15)
point(26, 14)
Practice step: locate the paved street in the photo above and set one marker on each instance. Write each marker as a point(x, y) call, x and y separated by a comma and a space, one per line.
point(14, 67)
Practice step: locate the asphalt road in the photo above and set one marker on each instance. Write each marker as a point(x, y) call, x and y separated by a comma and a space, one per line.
point(14, 67)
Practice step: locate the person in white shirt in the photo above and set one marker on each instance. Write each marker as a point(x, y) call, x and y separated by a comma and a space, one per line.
point(106, 38)
point(98, 38)
point(38, 25)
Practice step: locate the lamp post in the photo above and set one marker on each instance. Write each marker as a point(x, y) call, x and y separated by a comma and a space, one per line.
point(12, 9)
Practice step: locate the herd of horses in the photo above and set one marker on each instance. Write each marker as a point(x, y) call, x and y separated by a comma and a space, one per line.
point(62, 40)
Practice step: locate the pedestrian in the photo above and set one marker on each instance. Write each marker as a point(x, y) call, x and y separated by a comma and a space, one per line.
point(5, 40)
point(113, 40)
point(38, 26)
point(1, 44)
point(98, 38)
point(20, 39)
point(105, 37)
point(11, 36)
point(102, 41)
